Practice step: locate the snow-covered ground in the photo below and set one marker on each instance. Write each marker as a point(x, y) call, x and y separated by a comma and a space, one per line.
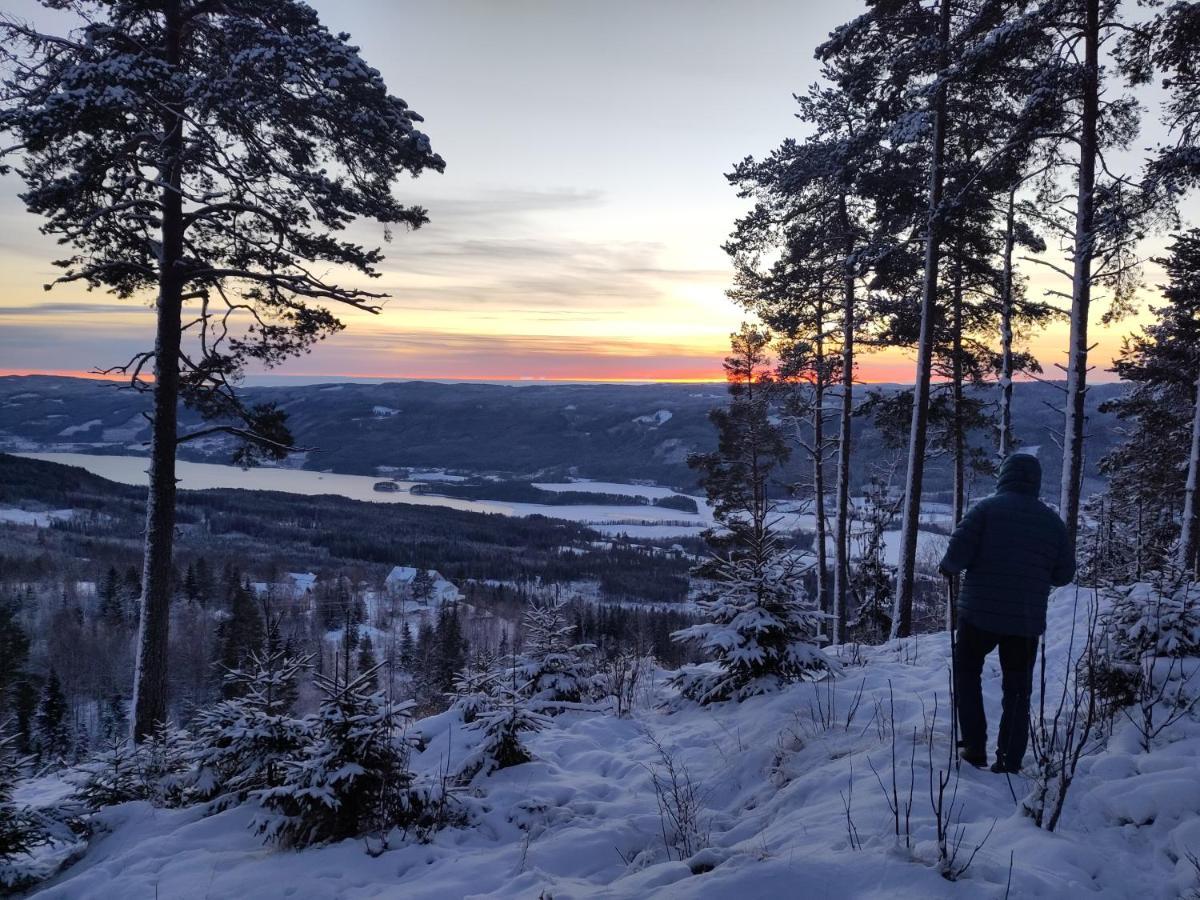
point(788, 807)
point(43, 519)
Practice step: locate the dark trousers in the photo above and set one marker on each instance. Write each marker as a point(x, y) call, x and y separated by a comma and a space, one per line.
point(1017, 657)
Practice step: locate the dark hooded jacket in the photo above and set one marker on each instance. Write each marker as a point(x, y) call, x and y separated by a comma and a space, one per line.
point(1014, 548)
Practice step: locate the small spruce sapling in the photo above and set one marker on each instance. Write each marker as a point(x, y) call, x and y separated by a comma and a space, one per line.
point(508, 714)
point(758, 626)
point(552, 669)
point(353, 777)
point(243, 744)
point(19, 834)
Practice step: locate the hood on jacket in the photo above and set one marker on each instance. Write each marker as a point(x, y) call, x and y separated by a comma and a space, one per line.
point(1020, 473)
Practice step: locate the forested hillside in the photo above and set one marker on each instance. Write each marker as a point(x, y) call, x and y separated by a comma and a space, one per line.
point(613, 432)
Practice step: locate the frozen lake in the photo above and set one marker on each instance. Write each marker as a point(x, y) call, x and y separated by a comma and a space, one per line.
point(202, 476)
point(636, 521)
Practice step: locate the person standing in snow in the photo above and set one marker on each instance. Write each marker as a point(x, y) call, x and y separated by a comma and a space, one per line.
point(1013, 548)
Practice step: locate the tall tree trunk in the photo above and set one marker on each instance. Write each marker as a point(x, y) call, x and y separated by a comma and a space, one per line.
point(819, 466)
point(960, 437)
point(1006, 330)
point(1188, 539)
point(1081, 286)
point(910, 525)
point(150, 674)
point(841, 572)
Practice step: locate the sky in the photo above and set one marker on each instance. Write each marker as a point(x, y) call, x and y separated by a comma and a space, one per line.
point(576, 232)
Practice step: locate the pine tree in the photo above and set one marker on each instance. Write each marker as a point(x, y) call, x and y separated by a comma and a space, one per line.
point(164, 766)
point(243, 744)
point(407, 647)
point(114, 720)
point(198, 95)
point(111, 609)
point(422, 586)
point(238, 636)
point(931, 76)
point(1150, 511)
point(367, 663)
point(1109, 216)
point(51, 726)
point(14, 648)
point(451, 647)
point(757, 626)
point(353, 777)
point(799, 256)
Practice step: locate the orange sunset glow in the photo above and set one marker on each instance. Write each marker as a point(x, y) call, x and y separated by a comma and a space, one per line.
point(556, 250)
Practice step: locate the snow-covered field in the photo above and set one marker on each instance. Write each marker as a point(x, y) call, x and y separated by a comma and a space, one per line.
point(16, 516)
point(788, 806)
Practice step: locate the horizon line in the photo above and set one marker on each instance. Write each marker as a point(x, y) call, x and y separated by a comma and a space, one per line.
point(279, 380)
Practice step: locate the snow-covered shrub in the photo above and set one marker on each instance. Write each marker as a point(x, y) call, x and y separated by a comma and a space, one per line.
point(353, 777)
point(109, 777)
point(158, 770)
point(1162, 619)
point(508, 715)
point(243, 743)
point(164, 766)
point(1146, 621)
point(1064, 728)
point(427, 808)
point(473, 685)
point(552, 670)
point(19, 832)
point(758, 626)
point(686, 828)
point(620, 675)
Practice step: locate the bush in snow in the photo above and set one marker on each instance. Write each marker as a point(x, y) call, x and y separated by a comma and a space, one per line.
point(620, 677)
point(473, 684)
point(1156, 620)
point(109, 777)
point(158, 770)
point(502, 720)
point(19, 833)
point(353, 776)
point(1146, 621)
point(164, 766)
point(242, 744)
point(552, 670)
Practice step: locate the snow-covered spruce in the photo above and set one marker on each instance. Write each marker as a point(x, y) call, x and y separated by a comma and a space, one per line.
point(158, 770)
point(19, 833)
point(758, 629)
point(508, 714)
point(353, 777)
point(243, 744)
point(552, 671)
point(164, 766)
point(1148, 619)
point(473, 685)
point(109, 777)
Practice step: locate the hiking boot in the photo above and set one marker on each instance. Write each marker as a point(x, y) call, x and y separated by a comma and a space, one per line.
point(977, 758)
point(1002, 767)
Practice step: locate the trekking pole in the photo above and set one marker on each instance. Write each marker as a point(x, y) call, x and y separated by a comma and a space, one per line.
point(951, 617)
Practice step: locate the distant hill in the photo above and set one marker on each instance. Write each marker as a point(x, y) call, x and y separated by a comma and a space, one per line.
point(607, 432)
